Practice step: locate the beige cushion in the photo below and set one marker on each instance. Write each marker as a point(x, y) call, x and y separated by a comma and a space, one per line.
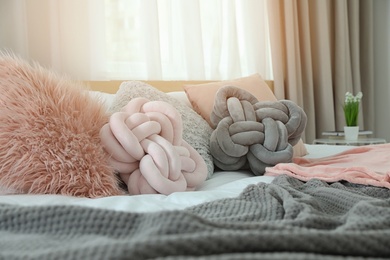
point(202, 96)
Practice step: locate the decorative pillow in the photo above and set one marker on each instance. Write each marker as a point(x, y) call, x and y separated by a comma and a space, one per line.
point(196, 131)
point(102, 97)
point(49, 134)
point(202, 98)
point(252, 133)
point(180, 95)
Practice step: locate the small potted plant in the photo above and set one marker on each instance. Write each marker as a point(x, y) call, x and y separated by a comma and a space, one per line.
point(351, 113)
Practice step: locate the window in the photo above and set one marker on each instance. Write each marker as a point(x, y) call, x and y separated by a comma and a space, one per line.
point(192, 39)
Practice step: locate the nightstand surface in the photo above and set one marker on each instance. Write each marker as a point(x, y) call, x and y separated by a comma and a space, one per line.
point(360, 141)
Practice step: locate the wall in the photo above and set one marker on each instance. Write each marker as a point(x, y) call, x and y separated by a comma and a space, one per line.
point(382, 68)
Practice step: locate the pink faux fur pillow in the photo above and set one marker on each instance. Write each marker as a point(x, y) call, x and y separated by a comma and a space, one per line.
point(49, 134)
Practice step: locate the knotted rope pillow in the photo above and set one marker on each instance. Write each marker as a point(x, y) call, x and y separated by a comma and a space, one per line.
point(253, 134)
point(145, 142)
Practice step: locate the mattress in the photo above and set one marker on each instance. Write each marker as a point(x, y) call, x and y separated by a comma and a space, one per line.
point(223, 184)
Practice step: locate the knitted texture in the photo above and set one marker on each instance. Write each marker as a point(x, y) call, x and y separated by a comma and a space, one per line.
point(287, 219)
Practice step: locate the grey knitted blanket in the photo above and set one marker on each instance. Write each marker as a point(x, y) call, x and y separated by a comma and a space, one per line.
point(287, 219)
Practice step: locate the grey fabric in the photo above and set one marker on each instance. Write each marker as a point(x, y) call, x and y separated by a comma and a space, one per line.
point(253, 134)
point(287, 219)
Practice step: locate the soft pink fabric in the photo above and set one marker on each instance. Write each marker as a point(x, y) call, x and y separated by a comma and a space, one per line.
point(363, 165)
point(147, 149)
point(49, 134)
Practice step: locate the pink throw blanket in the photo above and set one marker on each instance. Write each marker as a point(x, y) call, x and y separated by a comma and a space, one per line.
point(368, 165)
point(145, 142)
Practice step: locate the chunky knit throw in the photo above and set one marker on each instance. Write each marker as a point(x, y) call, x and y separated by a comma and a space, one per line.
point(287, 219)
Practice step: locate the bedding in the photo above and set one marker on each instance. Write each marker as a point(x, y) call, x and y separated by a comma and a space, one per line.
point(368, 164)
point(286, 219)
point(222, 184)
point(233, 214)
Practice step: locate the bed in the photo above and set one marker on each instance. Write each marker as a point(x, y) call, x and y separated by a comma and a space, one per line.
point(233, 214)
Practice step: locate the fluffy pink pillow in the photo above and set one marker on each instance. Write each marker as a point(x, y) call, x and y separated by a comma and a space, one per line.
point(49, 134)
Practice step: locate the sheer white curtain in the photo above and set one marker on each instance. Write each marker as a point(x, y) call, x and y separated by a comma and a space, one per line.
point(66, 35)
point(140, 39)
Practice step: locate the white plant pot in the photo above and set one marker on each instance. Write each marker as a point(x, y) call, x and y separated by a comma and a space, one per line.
point(351, 133)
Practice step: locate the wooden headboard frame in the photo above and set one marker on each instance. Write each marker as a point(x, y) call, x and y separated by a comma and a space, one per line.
point(165, 86)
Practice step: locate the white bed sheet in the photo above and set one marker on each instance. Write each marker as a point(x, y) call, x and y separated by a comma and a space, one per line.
point(225, 184)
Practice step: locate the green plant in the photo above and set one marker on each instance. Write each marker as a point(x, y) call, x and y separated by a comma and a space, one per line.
point(351, 108)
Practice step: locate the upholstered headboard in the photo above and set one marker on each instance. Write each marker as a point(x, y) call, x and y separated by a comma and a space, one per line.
point(165, 86)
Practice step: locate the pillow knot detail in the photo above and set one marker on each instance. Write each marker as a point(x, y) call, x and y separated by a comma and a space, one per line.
point(145, 142)
point(253, 134)
point(196, 131)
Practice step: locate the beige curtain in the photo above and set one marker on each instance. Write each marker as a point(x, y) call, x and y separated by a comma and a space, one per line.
point(320, 50)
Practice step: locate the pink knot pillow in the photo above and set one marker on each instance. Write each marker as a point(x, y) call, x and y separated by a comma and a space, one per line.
point(145, 142)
